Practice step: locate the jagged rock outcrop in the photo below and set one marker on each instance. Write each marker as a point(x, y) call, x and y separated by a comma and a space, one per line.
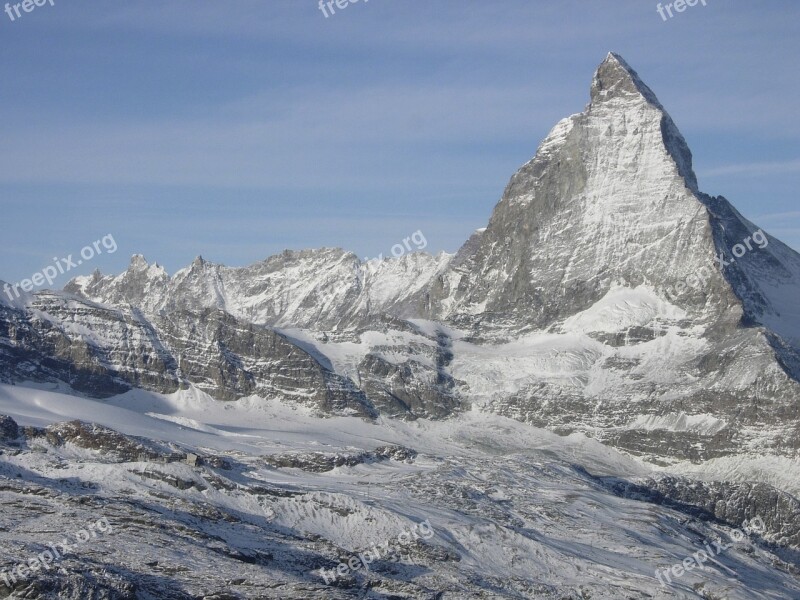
point(102, 351)
point(319, 462)
point(9, 431)
point(735, 504)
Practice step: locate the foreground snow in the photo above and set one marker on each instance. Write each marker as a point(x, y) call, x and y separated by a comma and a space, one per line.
point(516, 512)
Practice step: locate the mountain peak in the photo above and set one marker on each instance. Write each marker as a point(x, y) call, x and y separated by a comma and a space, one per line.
point(615, 78)
point(138, 262)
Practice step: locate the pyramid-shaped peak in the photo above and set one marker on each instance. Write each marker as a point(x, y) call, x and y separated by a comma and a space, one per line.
point(615, 78)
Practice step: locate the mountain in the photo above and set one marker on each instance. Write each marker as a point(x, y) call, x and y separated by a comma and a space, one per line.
point(601, 264)
point(595, 388)
point(592, 302)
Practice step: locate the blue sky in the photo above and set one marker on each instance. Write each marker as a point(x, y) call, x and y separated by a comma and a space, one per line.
point(236, 129)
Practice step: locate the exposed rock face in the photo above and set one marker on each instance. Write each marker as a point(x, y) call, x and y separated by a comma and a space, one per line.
point(736, 504)
point(230, 359)
point(102, 351)
point(8, 429)
point(592, 302)
point(95, 349)
point(397, 453)
point(95, 437)
point(609, 197)
point(420, 386)
point(319, 462)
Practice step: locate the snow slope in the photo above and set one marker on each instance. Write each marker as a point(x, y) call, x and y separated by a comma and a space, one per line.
point(514, 511)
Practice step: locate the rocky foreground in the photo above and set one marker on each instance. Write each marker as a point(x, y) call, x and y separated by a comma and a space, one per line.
point(511, 511)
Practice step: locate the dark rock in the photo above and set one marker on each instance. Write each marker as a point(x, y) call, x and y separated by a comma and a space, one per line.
point(9, 431)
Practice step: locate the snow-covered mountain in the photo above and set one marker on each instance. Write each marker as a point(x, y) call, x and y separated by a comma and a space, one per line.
point(592, 302)
point(601, 379)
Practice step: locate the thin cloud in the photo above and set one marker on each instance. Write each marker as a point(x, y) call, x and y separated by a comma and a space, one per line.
point(754, 169)
point(375, 136)
point(782, 216)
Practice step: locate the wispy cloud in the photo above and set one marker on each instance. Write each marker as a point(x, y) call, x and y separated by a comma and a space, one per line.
point(782, 216)
point(754, 169)
point(374, 136)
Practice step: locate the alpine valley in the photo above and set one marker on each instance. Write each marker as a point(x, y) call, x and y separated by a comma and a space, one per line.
point(592, 389)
